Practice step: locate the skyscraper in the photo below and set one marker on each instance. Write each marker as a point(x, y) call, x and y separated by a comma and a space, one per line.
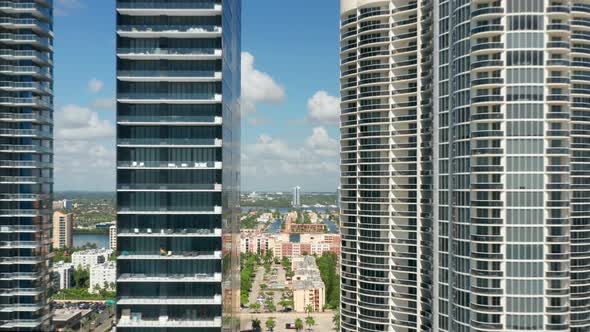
point(296, 200)
point(464, 151)
point(26, 163)
point(63, 229)
point(178, 164)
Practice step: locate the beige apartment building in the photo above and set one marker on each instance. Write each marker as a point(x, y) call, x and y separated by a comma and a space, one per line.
point(308, 287)
point(63, 229)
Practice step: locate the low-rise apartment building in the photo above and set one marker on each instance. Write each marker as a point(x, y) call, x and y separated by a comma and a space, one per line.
point(88, 258)
point(103, 276)
point(308, 287)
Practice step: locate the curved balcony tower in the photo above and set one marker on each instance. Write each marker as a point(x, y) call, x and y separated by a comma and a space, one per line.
point(385, 154)
point(464, 158)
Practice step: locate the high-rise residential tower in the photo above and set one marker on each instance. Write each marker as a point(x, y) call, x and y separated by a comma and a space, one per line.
point(296, 201)
point(26, 163)
point(63, 229)
point(464, 153)
point(178, 164)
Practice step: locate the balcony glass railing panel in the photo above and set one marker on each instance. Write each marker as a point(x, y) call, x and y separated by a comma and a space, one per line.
point(168, 201)
point(168, 28)
point(166, 73)
point(178, 223)
point(198, 285)
point(160, 4)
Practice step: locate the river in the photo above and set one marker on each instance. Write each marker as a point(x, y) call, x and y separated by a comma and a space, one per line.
point(101, 240)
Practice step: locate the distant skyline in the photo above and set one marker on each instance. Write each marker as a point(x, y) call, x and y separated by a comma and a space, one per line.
point(290, 96)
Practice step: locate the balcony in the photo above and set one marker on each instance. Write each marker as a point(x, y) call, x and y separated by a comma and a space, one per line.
point(489, 99)
point(486, 30)
point(487, 81)
point(18, 229)
point(34, 133)
point(20, 39)
point(32, 8)
point(558, 9)
point(406, 8)
point(38, 72)
point(558, 27)
point(20, 244)
point(563, 45)
point(558, 63)
point(169, 53)
point(486, 48)
point(185, 255)
point(169, 8)
point(168, 165)
point(168, 75)
point(170, 142)
point(169, 98)
point(487, 12)
point(25, 23)
point(174, 278)
point(487, 65)
point(190, 232)
point(164, 210)
point(373, 13)
point(157, 187)
point(25, 117)
point(25, 180)
point(164, 322)
point(20, 276)
point(168, 31)
point(24, 164)
point(25, 102)
point(25, 149)
point(36, 56)
point(165, 300)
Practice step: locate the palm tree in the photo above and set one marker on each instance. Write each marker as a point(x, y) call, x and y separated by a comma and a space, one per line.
point(310, 322)
point(309, 309)
point(336, 320)
point(256, 324)
point(255, 306)
point(270, 324)
point(298, 324)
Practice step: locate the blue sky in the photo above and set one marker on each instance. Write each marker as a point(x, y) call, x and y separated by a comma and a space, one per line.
point(289, 94)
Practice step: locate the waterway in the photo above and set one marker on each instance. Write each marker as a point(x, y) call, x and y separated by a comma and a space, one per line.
point(275, 227)
point(332, 228)
point(284, 210)
point(101, 240)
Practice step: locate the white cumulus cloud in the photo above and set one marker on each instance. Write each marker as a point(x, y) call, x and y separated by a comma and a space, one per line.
point(104, 104)
point(321, 142)
point(84, 150)
point(273, 164)
point(324, 108)
point(75, 122)
point(64, 7)
point(258, 86)
point(95, 85)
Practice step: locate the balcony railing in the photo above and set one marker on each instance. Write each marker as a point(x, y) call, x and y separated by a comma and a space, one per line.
point(168, 51)
point(170, 28)
point(169, 73)
point(167, 5)
point(170, 141)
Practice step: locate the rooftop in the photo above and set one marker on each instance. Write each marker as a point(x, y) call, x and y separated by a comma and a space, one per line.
point(307, 274)
point(93, 252)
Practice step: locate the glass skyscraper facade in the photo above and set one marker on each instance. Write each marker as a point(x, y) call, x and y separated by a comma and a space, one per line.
point(178, 164)
point(26, 163)
point(464, 156)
